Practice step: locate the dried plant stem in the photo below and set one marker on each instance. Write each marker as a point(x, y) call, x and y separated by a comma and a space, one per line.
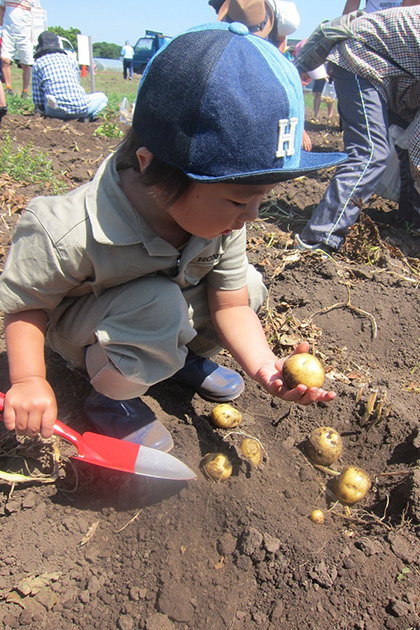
point(327, 471)
point(349, 305)
point(129, 522)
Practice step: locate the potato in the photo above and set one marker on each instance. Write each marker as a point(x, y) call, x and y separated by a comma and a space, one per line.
point(216, 466)
point(252, 450)
point(317, 516)
point(324, 446)
point(351, 485)
point(303, 368)
point(225, 416)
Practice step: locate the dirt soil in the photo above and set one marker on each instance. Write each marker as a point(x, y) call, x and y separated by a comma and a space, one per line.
point(101, 549)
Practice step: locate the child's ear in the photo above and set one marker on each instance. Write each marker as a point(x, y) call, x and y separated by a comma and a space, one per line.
point(144, 157)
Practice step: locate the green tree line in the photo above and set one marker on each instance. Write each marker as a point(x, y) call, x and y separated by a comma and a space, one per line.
point(105, 50)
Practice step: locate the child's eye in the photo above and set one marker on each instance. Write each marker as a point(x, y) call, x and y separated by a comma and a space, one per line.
point(238, 204)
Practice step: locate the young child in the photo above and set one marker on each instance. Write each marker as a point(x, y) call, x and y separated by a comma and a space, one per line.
point(141, 275)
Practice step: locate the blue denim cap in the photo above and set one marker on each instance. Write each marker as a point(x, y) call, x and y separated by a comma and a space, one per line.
point(224, 105)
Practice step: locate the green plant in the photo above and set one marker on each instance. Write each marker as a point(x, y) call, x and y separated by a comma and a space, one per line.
point(404, 573)
point(17, 105)
point(106, 50)
point(26, 165)
point(70, 33)
point(115, 100)
point(109, 129)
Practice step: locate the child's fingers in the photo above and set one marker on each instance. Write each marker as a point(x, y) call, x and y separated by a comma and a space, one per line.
point(27, 423)
point(31, 423)
point(304, 396)
point(302, 347)
point(48, 421)
point(9, 418)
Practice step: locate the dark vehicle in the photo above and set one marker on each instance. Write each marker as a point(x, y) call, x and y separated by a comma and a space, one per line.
point(146, 47)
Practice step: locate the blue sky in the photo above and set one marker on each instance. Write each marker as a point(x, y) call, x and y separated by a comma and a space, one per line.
point(115, 22)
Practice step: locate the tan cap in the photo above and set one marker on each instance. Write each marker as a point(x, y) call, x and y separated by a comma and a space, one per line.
point(257, 15)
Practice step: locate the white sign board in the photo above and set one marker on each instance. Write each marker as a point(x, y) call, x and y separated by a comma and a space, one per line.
point(83, 48)
point(39, 23)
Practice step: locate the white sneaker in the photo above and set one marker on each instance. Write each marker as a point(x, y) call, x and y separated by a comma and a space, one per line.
point(315, 247)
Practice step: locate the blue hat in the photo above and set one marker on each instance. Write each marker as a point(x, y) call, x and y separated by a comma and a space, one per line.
point(225, 106)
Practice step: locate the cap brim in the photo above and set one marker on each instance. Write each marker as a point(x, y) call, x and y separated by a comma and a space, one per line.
point(309, 163)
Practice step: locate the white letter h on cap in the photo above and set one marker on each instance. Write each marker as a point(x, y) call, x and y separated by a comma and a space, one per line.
point(285, 136)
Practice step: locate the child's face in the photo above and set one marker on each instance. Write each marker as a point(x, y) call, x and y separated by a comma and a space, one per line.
point(209, 210)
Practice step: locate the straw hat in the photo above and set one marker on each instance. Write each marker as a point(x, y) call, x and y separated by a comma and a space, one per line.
point(257, 15)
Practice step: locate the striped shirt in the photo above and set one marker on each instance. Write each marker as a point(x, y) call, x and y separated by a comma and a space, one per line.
point(387, 54)
point(56, 74)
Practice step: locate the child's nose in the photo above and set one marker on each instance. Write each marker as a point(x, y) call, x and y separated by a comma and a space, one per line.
point(251, 211)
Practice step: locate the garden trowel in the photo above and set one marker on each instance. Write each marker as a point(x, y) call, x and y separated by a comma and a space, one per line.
point(120, 455)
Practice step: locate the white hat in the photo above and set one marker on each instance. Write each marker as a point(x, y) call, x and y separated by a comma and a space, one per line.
point(287, 17)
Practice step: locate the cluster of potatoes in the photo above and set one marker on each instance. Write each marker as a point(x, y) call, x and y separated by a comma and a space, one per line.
point(302, 368)
point(323, 447)
point(217, 466)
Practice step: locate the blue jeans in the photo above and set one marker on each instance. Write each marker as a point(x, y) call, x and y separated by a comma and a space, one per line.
point(96, 103)
point(364, 118)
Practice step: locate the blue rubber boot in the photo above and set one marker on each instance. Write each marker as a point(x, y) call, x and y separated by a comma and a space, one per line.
point(212, 381)
point(129, 420)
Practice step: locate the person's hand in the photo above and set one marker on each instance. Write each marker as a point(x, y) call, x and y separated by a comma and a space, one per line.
point(30, 407)
point(305, 79)
point(270, 376)
point(306, 141)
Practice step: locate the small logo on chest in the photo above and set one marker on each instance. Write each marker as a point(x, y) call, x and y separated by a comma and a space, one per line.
point(209, 258)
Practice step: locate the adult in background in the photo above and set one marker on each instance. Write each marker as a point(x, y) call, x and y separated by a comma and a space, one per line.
point(320, 77)
point(270, 19)
point(273, 20)
point(408, 193)
point(56, 88)
point(127, 53)
point(16, 18)
point(376, 70)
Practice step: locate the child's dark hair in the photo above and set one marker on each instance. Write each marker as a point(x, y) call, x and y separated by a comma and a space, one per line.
point(171, 181)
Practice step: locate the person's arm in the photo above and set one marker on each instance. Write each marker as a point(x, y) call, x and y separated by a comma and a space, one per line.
point(37, 92)
point(241, 332)
point(306, 141)
point(350, 6)
point(410, 3)
point(30, 404)
point(2, 10)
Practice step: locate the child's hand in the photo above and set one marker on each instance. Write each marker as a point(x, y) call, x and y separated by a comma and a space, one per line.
point(30, 407)
point(270, 376)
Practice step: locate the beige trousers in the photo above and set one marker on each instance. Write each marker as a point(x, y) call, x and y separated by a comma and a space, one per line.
point(136, 334)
